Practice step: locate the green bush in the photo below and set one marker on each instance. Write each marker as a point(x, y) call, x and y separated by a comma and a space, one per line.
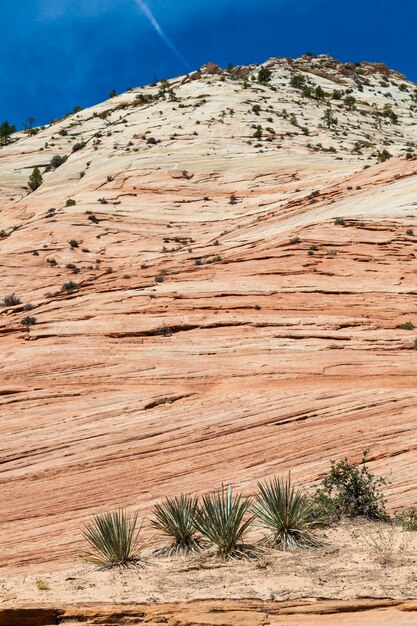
point(10, 300)
point(406, 326)
point(174, 518)
point(113, 540)
point(319, 93)
point(28, 321)
point(78, 146)
point(70, 286)
point(297, 81)
point(223, 520)
point(383, 155)
point(264, 76)
point(350, 490)
point(286, 512)
point(389, 114)
point(350, 102)
point(258, 132)
point(6, 130)
point(57, 161)
point(35, 179)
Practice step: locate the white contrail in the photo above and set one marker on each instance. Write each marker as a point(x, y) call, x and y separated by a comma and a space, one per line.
point(143, 6)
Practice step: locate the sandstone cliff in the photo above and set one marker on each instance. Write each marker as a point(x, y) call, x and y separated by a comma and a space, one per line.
point(241, 265)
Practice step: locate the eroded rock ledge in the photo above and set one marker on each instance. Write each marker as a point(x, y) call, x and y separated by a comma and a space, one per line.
point(220, 613)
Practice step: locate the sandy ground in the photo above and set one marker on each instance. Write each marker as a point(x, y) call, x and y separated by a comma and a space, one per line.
point(349, 564)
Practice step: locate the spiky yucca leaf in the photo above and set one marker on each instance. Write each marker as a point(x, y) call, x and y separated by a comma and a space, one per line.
point(174, 518)
point(112, 539)
point(287, 512)
point(222, 519)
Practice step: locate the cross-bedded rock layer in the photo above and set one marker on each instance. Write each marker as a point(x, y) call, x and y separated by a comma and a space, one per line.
point(224, 324)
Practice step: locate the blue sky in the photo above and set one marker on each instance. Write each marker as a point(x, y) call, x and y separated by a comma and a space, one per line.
point(55, 54)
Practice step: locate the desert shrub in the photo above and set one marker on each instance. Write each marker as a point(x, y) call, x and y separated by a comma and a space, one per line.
point(10, 300)
point(57, 161)
point(287, 512)
point(389, 114)
point(339, 221)
point(294, 240)
point(42, 585)
point(408, 518)
point(163, 330)
point(383, 155)
point(6, 130)
point(70, 202)
point(93, 219)
point(387, 545)
point(319, 93)
point(258, 132)
point(174, 518)
point(264, 76)
point(328, 118)
point(233, 199)
point(28, 307)
point(297, 81)
point(73, 243)
point(256, 109)
point(409, 232)
point(28, 321)
point(406, 326)
point(70, 286)
point(350, 490)
point(113, 540)
point(350, 102)
point(224, 520)
point(78, 146)
point(35, 179)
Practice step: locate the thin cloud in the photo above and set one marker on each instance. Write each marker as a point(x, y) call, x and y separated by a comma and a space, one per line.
point(145, 9)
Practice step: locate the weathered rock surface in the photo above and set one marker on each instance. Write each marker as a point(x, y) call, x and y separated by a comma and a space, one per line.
point(223, 327)
point(222, 613)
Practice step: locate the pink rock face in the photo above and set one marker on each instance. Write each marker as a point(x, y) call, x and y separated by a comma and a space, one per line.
point(224, 325)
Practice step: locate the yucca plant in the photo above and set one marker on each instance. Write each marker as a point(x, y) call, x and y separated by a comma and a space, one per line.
point(113, 540)
point(287, 512)
point(223, 519)
point(174, 518)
